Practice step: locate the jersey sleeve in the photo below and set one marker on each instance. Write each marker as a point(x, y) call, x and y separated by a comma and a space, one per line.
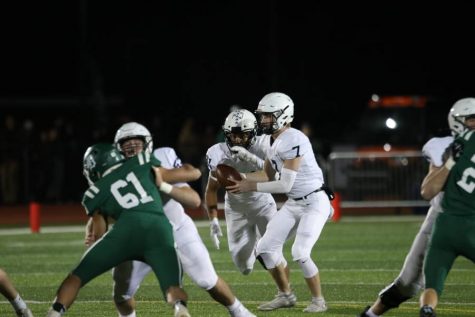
point(212, 158)
point(169, 159)
point(296, 145)
point(434, 149)
point(90, 200)
point(155, 161)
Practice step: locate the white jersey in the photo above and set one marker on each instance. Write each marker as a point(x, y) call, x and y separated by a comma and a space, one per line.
point(432, 151)
point(290, 144)
point(173, 209)
point(220, 154)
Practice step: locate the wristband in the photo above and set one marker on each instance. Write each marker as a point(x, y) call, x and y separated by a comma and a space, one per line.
point(449, 163)
point(166, 188)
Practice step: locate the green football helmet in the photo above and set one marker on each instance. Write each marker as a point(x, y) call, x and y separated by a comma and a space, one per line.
point(98, 160)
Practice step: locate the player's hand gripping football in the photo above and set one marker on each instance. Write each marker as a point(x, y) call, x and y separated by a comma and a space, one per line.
point(215, 232)
point(241, 186)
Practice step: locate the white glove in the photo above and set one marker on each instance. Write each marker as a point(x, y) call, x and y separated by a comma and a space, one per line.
point(245, 155)
point(215, 232)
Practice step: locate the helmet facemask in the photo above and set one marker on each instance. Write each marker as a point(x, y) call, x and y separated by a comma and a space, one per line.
point(240, 128)
point(133, 130)
point(462, 110)
point(132, 146)
point(280, 107)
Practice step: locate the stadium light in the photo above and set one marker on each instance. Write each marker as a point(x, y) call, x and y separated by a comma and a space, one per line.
point(391, 123)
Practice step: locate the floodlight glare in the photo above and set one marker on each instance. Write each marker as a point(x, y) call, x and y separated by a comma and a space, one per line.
point(391, 123)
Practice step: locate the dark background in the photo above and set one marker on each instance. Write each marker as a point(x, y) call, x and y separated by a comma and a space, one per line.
point(74, 71)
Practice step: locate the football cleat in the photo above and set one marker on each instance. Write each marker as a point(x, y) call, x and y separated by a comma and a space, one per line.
point(363, 314)
point(181, 310)
point(24, 313)
point(53, 313)
point(281, 300)
point(241, 312)
point(427, 311)
point(316, 306)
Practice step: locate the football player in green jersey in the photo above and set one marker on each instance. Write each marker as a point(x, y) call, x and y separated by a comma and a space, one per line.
point(454, 228)
point(126, 190)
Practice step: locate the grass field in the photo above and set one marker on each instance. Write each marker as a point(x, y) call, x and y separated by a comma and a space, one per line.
point(356, 259)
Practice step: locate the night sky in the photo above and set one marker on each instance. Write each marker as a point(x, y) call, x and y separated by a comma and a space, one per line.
point(177, 59)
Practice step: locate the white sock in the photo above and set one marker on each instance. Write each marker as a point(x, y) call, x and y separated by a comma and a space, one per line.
point(371, 314)
point(18, 303)
point(129, 315)
point(234, 305)
point(318, 299)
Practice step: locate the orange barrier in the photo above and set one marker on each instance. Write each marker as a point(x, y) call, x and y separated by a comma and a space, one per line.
point(336, 203)
point(35, 216)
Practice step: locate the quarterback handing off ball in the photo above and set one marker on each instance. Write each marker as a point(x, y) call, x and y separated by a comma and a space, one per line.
point(224, 173)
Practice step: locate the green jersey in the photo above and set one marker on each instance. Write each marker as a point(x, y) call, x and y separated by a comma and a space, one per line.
point(459, 198)
point(130, 187)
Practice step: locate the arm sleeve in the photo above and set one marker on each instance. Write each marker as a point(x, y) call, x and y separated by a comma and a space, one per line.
point(283, 185)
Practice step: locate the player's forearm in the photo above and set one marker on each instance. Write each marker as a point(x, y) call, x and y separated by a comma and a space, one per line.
point(99, 226)
point(259, 176)
point(211, 199)
point(186, 173)
point(186, 196)
point(434, 182)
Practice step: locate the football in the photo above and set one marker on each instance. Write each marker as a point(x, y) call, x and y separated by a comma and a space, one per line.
point(224, 173)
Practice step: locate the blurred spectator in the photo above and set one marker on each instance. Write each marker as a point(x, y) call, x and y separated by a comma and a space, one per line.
point(9, 165)
point(318, 147)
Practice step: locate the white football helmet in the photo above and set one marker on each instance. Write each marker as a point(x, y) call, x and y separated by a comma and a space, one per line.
point(131, 130)
point(240, 121)
point(281, 107)
point(462, 109)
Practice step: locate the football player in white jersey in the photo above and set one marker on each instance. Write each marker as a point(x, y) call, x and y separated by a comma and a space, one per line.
point(411, 278)
point(307, 208)
point(247, 214)
point(131, 138)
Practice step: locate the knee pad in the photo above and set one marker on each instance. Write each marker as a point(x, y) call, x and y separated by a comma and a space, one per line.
point(268, 260)
point(309, 268)
point(299, 252)
point(207, 282)
point(392, 297)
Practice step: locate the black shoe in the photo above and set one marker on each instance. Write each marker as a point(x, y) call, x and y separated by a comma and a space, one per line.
point(363, 314)
point(427, 311)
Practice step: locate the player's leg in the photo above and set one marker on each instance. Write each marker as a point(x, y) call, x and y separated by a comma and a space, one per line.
point(313, 217)
point(269, 253)
point(439, 260)
point(8, 290)
point(197, 264)
point(411, 278)
point(159, 252)
point(241, 240)
point(102, 256)
point(127, 277)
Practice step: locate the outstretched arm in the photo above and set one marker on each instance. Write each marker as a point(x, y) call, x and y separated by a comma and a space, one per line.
point(184, 195)
point(183, 174)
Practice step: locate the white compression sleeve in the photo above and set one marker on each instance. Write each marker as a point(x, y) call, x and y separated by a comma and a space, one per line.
point(283, 185)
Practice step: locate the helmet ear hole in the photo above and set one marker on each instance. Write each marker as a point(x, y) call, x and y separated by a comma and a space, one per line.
point(98, 159)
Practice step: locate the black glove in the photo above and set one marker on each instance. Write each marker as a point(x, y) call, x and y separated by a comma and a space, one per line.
point(329, 192)
point(457, 149)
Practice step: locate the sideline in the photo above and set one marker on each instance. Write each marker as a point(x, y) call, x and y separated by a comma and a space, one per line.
point(205, 223)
